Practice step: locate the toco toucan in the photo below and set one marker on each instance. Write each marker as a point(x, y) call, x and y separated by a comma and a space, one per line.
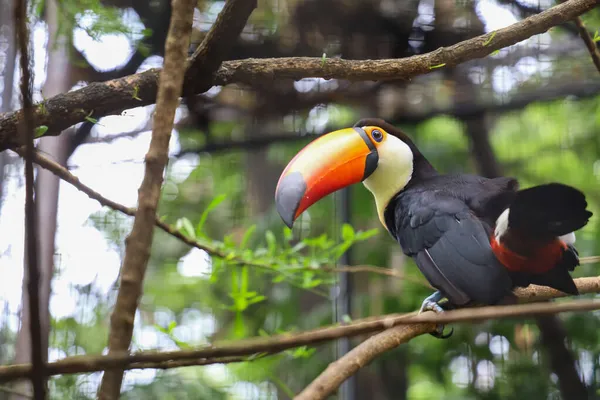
point(473, 238)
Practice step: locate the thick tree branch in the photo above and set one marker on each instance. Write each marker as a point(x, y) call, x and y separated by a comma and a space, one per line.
point(32, 273)
point(340, 370)
point(401, 327)
point(218, 42)
point(139, 242)
point(112, 97)
point(460, 110)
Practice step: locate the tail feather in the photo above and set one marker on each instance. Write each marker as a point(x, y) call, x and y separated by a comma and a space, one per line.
point(549, 210)
point(534, 235)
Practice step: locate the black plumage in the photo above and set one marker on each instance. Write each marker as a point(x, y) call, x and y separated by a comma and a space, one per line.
point(444, 223)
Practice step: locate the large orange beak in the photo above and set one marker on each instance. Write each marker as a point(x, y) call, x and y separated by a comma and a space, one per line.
point(332, 162)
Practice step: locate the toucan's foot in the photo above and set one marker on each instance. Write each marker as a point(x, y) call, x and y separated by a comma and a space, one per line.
point(431, 303)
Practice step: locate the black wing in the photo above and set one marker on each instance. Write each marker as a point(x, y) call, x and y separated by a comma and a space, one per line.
point(451, 247)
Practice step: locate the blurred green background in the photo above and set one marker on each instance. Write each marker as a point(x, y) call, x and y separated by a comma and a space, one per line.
point(531, 111)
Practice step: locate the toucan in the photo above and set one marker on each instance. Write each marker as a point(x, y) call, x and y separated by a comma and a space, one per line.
point(473, 238)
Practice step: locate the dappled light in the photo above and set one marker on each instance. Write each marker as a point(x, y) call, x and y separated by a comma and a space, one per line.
point(160, 131)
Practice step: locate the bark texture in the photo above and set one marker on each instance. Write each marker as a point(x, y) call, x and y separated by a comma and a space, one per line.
point(114, 96)
point(138, 243)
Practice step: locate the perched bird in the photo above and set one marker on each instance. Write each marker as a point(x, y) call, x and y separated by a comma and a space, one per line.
point(473, 238)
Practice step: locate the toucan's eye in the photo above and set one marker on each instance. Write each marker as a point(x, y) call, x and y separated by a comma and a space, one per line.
point(377, 135)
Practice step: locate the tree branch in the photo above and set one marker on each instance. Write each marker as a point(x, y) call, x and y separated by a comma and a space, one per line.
point(67, 176)
point(32, 273)
point(339, 370)
point(589, 42)
point(139, 242)
point(218, 42)
point(111, 97)
point(401, 327)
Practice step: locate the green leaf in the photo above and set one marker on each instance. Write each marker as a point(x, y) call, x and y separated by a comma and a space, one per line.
point(437, 66)
point(302, 352)
point(490, 38)
point(257, 299)
point(364, 235)
point(211, 206)
point(287, 234)
point(187, 227)
point(312, 283)
point(260, 252)
point(271, 242)
point(263, 333)
point(347, 233)
point(40, 130)
point(247, 236)
point(298, 247)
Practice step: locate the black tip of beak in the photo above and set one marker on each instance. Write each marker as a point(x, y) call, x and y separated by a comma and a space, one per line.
point(289, 193)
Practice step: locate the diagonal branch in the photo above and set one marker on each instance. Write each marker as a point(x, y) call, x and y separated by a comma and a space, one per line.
point(67, 176)
point(101, 99)
point(400, 327)
point(139, 242)
point(589, 42)
point(32, 274)
point(219, 41)
point(340, 370)
point(137, 252)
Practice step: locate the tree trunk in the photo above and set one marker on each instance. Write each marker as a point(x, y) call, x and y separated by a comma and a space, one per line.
point(46, 190)
point(7, 34)
point(554, 338)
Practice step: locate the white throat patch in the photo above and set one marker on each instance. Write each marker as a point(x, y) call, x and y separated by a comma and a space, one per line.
point(393, 172)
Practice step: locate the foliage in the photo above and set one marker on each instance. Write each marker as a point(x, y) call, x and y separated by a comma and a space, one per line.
point(273, 280)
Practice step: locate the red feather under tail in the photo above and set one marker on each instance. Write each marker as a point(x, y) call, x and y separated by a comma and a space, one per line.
point(544, 258)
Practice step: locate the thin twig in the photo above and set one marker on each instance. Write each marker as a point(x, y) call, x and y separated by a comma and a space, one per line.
point(111, 97)
point(378, 271)
point(413, 323)
point(67, 176)
point(139, 242)
point(589, 42)
point(32, 274)
point(589, 260)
